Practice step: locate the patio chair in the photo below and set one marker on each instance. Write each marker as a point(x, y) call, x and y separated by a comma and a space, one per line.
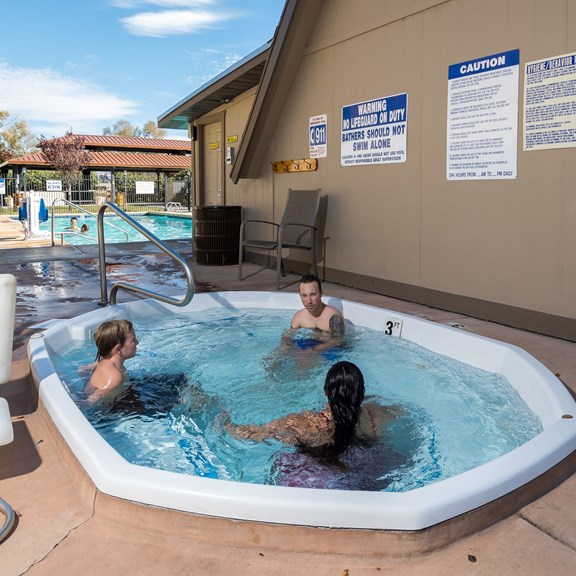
point(296, 230)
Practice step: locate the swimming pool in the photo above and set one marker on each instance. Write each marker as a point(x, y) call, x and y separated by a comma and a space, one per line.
point(163, 226)
point(412, 510)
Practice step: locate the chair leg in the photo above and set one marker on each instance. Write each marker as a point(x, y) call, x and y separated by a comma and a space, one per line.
point(278, 267)
point(314, 262)
point(240, 262)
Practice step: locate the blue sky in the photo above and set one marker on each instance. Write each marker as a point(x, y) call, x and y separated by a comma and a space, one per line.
point(84, 64)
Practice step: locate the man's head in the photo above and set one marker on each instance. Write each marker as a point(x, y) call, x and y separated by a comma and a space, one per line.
point(310, 289)
point(310, 279)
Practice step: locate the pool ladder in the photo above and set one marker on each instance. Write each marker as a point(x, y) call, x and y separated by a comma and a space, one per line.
point(104, 301)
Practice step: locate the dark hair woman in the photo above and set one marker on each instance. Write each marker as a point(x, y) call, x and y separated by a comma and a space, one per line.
point(327, 433)
point(344, 388)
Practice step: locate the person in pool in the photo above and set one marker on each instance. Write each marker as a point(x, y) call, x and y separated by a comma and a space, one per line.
point(85, 228)
point(153, 394)
point(325, 325)
point(73, 225)
point(316, 314)
point(331, 431)
point(115, 342)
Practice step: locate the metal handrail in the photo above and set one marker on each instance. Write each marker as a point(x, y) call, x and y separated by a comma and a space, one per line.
point(190, 289)
point(7, 510)
point(80, 209)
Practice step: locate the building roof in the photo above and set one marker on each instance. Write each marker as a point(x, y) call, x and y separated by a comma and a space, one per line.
point(135, 144)
point(234, 81)
point(292, 35)
point(132, 161)
point(119, 153)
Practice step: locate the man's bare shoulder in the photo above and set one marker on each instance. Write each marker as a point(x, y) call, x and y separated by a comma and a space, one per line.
point(299, 320)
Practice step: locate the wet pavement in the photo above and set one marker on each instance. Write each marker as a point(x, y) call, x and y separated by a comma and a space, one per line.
point(66, 528)
point(64, 281)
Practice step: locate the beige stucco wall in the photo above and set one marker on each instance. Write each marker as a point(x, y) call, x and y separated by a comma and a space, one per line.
point(505, 241)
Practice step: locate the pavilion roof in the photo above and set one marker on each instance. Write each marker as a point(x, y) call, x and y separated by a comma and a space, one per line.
point(119, 153)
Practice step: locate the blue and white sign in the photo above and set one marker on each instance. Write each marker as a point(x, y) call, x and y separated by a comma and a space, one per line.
point(550, 103)
point(374, 131)
point(53, 185)
point(483, 118)
point(2, 187)
point(318, 127)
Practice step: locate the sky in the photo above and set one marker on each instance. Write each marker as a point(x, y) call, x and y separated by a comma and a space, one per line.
point(82, 65)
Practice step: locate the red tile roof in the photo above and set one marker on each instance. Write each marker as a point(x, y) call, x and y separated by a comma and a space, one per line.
point(134, 154)
point(118, 160)
point(118, 142)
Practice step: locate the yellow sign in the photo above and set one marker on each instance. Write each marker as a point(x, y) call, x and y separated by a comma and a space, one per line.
point(214, 145)
point(232, 139)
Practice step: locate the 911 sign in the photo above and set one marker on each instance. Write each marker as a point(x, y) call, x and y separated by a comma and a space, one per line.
point(318, 136)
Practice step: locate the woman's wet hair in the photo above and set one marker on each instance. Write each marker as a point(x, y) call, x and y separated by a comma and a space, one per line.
point(109, 334)
point(344, 388)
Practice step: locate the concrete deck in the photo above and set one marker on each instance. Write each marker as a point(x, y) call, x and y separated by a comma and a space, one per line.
point(65, 528)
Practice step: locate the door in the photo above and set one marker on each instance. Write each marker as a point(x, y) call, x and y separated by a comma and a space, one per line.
point(213, 167)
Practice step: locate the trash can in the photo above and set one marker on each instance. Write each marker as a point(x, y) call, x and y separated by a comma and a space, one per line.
point(217, 234)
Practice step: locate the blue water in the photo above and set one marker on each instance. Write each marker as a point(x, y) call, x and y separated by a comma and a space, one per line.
point(452, 417)
point(165, 227)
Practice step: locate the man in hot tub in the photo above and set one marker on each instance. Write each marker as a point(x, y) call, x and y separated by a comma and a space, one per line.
point(324, 325)
point(315, 314)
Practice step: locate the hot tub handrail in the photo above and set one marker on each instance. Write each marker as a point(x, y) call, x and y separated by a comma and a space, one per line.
point(190, 288)
point(80, 209)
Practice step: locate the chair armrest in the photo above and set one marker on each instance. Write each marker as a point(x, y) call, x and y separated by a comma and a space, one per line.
point(310, 228)
point(244, 222)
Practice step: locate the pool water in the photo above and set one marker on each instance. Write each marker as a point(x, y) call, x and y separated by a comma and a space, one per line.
point(164, 226)
point(452, 417)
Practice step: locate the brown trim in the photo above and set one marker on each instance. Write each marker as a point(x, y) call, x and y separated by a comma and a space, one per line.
point(233, 82)
point(292, 34)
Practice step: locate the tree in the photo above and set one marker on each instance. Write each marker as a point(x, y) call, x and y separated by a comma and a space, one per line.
point(122, 128)
point(128, 130)
point(151, 130)
point(15, 138)
point(67, 155)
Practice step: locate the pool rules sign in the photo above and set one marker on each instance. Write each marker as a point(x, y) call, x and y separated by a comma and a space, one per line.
point(483, 118)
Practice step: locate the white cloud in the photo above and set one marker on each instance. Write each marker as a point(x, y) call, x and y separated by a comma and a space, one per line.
point(169, 22)
point(52, 103)
point(217, 63)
